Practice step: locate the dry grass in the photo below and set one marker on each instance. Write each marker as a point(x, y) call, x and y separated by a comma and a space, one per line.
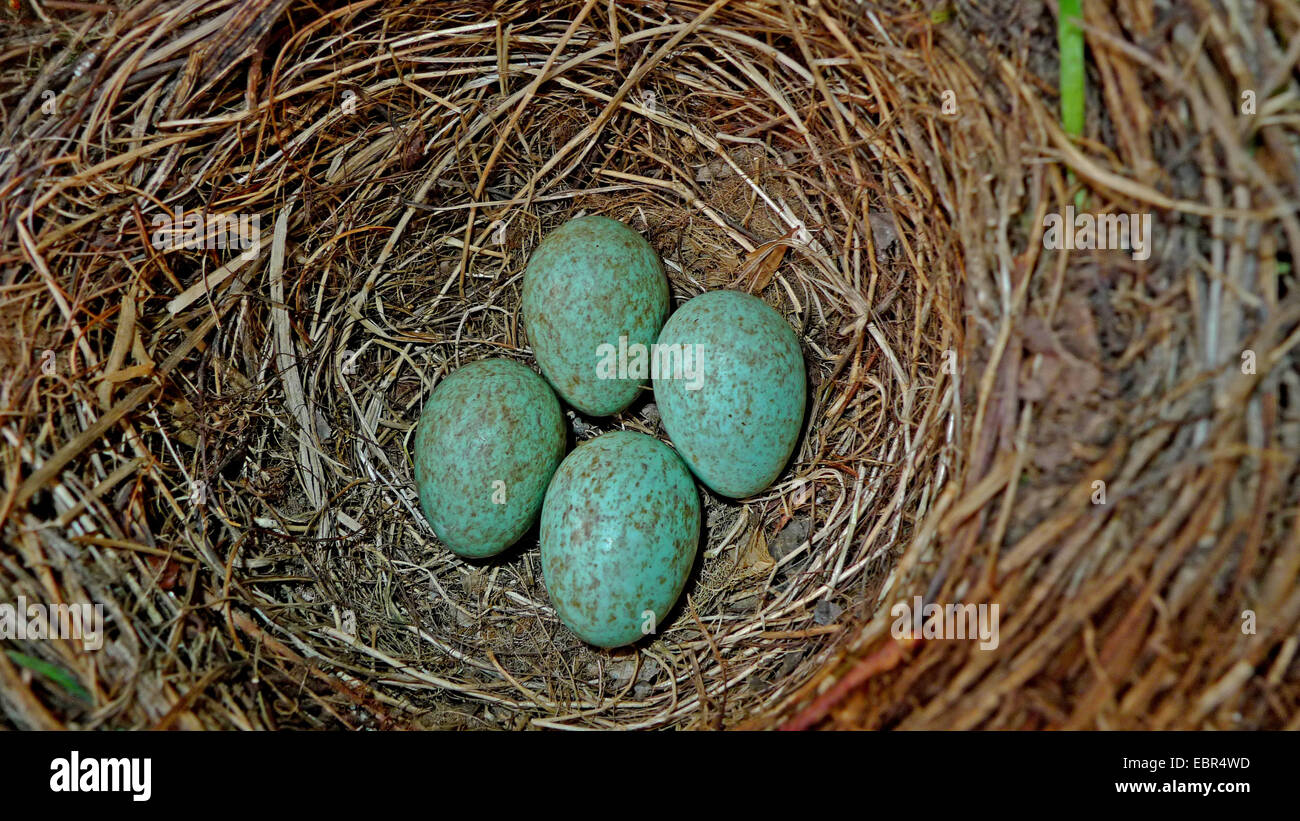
point(218, 453)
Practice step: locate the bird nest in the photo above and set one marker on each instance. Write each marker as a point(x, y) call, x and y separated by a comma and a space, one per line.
point(243, 242)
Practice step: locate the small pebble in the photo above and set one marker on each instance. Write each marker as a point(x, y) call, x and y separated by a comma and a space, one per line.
point(651, 414)
point(788, 540)
point(826, 612)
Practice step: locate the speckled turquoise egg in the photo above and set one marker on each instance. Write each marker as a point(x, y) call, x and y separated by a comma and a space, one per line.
point(734, 407)
point(620, 526)
point(487, 443)
point(594, 299)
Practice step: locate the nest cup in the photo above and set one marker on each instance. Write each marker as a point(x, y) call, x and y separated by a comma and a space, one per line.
point(226, 462)
point(651, 130)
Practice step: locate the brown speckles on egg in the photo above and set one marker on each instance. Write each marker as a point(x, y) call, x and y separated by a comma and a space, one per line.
point(738, 430)
point(492, 421)
point(589, 282)
point(620, 527)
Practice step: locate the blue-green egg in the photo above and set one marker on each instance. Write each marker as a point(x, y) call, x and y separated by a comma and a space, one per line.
point(734, 406)
point(488, 441)
point(619, 532)
point(594, 299)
